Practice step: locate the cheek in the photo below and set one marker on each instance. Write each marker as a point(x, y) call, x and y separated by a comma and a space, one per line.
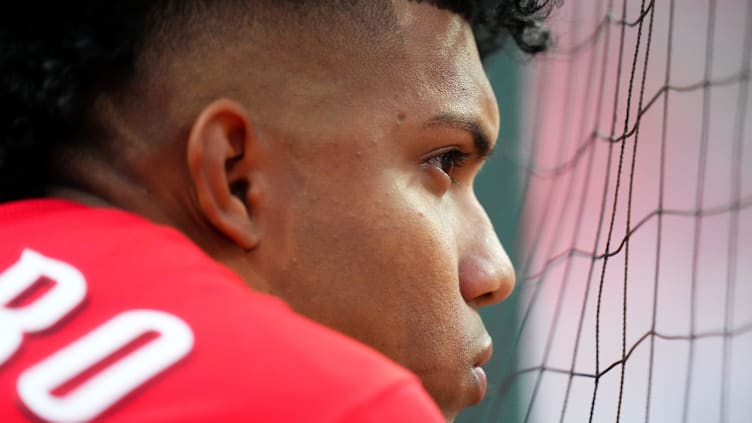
point(375, 264)
point(385, 272)
point(376, 230)
point(375, 257)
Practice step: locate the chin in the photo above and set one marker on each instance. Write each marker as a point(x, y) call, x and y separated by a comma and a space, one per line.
point(468, 392)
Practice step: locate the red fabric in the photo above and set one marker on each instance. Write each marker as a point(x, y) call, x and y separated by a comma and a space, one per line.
point(253, 359)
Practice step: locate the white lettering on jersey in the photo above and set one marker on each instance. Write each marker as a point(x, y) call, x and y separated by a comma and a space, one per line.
point(88, 400)
point(67, 293)
point(173, 341)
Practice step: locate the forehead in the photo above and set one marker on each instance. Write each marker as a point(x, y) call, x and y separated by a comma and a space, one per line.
point(434, 69)
point(428, 66)
point(439, 63)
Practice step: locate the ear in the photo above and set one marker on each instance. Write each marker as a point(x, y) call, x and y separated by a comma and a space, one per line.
point(221, 161)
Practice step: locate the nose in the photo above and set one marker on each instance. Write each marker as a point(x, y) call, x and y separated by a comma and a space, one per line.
point(486, 275)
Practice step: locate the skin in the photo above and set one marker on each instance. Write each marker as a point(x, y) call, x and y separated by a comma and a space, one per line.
point(334, 191)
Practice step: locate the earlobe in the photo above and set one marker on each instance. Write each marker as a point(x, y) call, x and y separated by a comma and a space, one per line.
point(221, 163)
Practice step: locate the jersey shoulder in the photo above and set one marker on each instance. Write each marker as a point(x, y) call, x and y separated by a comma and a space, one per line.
point(151, 329)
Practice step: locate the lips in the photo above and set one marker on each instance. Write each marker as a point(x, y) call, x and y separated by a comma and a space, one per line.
point(481, 383)
point(479, 375)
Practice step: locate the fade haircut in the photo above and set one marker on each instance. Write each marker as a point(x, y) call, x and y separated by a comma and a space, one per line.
point(57, 57)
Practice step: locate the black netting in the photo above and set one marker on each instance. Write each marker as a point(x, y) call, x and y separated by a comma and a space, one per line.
point(636, 273)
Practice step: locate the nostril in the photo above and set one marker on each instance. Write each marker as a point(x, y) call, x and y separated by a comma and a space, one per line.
point(484, 300)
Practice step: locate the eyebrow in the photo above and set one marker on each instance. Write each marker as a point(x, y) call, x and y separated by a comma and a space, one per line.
point(482, 140)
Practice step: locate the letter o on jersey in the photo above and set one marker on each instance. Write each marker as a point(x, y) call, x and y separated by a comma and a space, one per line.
point(101, 391)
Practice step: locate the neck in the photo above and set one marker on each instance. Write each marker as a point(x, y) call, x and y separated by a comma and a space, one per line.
point(93, 180)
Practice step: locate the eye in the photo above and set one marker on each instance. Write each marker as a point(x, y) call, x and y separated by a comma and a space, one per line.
point(448, 161)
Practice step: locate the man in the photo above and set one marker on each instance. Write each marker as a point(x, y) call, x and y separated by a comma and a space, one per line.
point(324, 151)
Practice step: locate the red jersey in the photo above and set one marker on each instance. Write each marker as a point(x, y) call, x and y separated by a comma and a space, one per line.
point(106, 316)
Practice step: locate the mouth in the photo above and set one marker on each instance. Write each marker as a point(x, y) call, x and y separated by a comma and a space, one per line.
point(479, 375)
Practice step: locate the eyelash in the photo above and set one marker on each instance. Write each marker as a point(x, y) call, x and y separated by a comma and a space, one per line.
point(448, 161)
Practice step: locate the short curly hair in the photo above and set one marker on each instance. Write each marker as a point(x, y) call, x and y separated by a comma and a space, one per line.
point(56, 57)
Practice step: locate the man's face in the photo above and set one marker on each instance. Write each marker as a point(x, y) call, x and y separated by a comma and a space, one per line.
point(374, 226)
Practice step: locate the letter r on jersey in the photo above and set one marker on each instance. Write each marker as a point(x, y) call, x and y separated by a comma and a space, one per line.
point(67, 293)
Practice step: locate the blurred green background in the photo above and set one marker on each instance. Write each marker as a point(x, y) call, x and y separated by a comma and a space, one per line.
point(498, 189)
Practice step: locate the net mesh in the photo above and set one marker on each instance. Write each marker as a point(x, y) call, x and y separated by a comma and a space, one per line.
point(635, 282)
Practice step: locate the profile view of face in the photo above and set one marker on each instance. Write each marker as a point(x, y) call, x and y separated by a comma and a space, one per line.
point(328, 160)
point(376, 230)
point(325, 151)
